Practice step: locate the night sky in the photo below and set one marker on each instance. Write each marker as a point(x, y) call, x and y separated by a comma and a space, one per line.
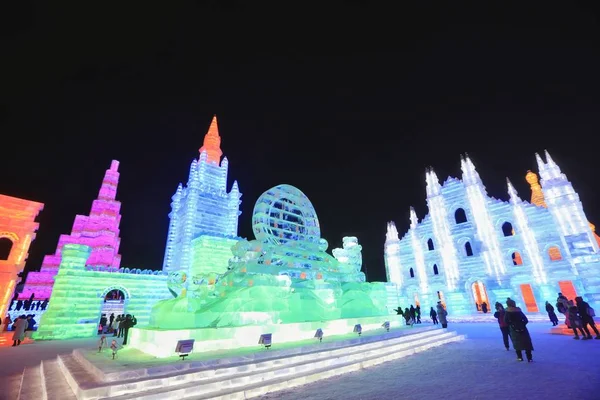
point(350, 104)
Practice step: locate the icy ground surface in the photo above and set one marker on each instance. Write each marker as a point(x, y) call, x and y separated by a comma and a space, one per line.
point(476, 368)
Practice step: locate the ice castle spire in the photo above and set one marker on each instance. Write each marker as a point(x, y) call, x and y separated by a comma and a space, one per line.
point(414, 221)
point(514, 197)
point(392, 255)
point(392, 232)
point(441, 229)
point(433, 186)
point(566, 208)
point(108, 190)
point(99, 230)
point(418, 252)
point(212, 143)
point(478, 201)
point(537, 196)
point(469, 173)
point(204, 210)
point(527, 235)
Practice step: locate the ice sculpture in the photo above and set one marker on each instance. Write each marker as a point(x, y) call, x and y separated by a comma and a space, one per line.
point(99, 230)
point(472, 248)
point(202, 209)
point(283, 276)
point(17, 231)
point(79, 294)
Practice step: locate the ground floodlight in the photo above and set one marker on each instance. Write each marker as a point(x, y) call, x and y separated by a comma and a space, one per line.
point(319, 334)
point(184, 348)
point(386, 325)
point(265, 340)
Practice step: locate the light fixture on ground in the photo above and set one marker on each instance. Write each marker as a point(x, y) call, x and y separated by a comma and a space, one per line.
point(357, 329)
point(319, 334)
point(386, 325)
point(265, 339)
point(184, 348)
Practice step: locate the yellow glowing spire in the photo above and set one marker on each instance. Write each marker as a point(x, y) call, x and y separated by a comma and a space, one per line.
point(537, 196)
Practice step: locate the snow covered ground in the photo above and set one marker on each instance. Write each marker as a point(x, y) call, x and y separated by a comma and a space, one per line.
point(476, 368)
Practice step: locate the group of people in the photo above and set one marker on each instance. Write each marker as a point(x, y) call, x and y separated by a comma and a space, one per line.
point(412, 315)
point(22, 327)
point(118, 326)
point(513, 322)
point(578, 316)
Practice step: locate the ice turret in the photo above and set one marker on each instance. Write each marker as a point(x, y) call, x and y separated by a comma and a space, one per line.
point(203, 209)
point(523, 227)
point(433, 183)
point(566, 208)
point(392, 232)
point(418, 252)
point(514, 197)
point(477, 197)
point(392, 255)
point(469, 173)
point(414, 221)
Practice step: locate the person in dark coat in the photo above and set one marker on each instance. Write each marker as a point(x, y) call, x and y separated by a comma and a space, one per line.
point(551, 314)
point(587, 317)
point(504, 328)
point(517, 323)
point(484, 307)
point(418, 314)
point(413, 314)
point(130, 322)
point(442, 314)
point(407, 316)
point(433, 316)
point(574, 319)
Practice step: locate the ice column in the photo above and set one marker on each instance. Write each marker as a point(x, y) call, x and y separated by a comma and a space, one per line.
point(392, 255)
point(418, 251)
point(477, 196)
point(527, 235)
point(441, 229)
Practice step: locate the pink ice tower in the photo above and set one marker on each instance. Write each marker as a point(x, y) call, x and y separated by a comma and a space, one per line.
point(99, 230)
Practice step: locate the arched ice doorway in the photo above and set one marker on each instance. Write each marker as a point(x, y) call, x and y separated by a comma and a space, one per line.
point(114, 303)
point(480, 295)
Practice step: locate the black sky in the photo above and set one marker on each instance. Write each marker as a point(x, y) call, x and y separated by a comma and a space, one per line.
point(348, 103)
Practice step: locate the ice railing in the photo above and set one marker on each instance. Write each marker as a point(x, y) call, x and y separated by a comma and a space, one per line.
point(133, 271)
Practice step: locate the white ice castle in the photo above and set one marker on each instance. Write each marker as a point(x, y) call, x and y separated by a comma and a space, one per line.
point(472, 248)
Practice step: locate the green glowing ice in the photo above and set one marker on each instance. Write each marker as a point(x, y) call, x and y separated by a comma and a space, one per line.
point(284, 276)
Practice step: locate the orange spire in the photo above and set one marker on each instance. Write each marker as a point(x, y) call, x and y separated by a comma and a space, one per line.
point(212, 143)
point(537, 196)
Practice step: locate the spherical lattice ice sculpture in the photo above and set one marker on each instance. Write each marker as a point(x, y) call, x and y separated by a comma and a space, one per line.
point(284, 214)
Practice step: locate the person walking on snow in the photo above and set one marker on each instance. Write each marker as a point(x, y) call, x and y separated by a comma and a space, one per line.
point(587, 317)
point(499, 315)
point(517, 322)
point(433, 316)
point(551, 314)
point(575, 320)
point(19, 326)
point(442, 314)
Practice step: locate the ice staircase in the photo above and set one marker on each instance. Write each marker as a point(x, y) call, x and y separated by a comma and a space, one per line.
point(72, 376)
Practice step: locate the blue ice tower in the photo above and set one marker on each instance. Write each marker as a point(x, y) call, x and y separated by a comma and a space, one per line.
point(203, 209)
